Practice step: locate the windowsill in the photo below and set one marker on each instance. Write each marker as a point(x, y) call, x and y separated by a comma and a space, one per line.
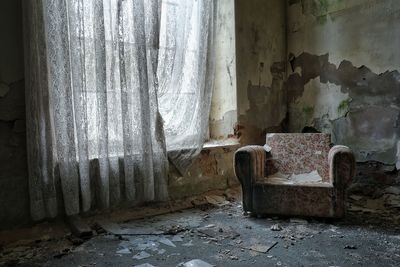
point(221, 143)
point(213, 144)
point(210, 144)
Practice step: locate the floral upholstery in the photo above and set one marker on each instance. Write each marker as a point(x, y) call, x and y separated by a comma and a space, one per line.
point(300, 153)
point(293, 155)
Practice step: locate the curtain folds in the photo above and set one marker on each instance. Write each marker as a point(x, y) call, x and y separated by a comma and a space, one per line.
point(107, 92)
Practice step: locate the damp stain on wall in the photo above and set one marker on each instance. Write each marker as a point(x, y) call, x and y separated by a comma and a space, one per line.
point(267, 106)
point(359, 107)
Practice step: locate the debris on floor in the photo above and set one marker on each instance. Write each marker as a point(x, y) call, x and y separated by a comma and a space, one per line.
point(350, 247)
point(220, 235)
point(217, 200)
point(196, 263)
point(259, 246)
point(144, 265)
point(276, 227)
point(141, 255)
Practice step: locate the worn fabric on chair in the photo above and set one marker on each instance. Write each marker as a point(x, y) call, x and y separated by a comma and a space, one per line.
point(299, 153)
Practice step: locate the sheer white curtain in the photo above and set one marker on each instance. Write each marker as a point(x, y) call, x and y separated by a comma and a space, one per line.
point(96, 114)
point(186, 69)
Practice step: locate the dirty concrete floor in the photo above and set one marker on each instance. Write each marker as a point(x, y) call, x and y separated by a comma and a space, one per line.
point(223, 236)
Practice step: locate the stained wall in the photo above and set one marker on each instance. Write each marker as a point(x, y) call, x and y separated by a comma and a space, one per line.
point(261, 68)
point(343, 78)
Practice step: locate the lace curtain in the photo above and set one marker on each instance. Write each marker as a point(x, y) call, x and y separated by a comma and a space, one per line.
point(112, 87)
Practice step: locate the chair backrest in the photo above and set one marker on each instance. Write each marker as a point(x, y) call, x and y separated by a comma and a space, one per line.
point(296, 153)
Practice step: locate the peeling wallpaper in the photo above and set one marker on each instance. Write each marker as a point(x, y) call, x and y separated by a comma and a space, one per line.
point(343, 76)
point(261, 68)
point(361, 31)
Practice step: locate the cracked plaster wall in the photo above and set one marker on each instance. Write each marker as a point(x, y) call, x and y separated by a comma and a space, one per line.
point(260, 57)
point(343, 77)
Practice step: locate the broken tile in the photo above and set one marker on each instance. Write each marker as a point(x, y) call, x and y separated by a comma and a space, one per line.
point(177, 238)
point(151, 245)
point(161, 251)
point(196, 263)
point(144, 265)
point(141, 255)
point(166, 242)
point(262, 247)
point(124, 251)
point(255, 245)
point(124, 244)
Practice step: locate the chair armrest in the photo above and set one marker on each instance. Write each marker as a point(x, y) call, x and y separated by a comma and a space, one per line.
point(341, 165)
point(249, 164)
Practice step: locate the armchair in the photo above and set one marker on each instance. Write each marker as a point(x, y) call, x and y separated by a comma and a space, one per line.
point(295, 174)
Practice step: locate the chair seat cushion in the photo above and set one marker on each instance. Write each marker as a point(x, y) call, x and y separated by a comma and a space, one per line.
point(311, 179)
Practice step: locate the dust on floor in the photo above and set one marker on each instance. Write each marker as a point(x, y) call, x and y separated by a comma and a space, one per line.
point(218, 234)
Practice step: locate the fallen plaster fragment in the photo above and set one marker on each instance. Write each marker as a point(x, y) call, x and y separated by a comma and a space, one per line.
point(174, 254)
point(144, 265)
point(196, 263)
point(141, 255)
point(124, 244)
point(124, 251)
point(261, 247)
point(276, 227)
point(177, 238)
point(148, 245)
point(78, 227)
point(188, 244)
point(255, 245)
point(166, 242)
